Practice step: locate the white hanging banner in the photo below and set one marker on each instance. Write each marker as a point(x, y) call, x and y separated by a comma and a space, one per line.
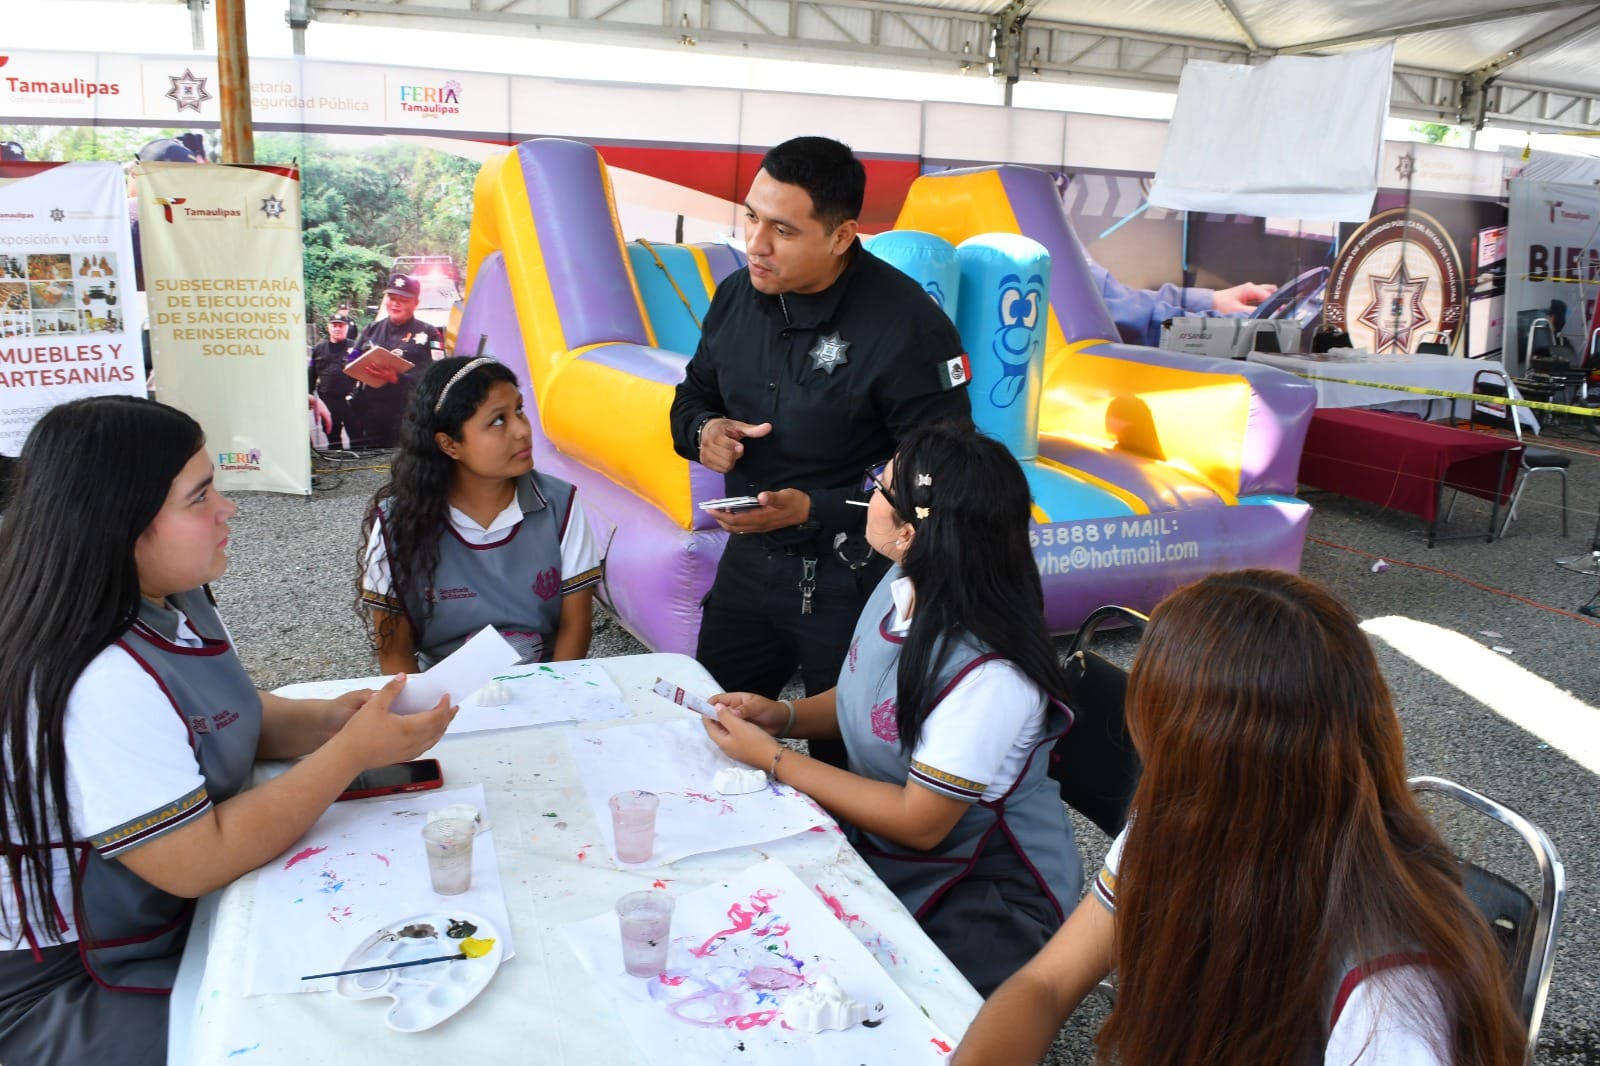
point(66, 276)
point(225, 295)
point(1552, 263)
point(1295, 137)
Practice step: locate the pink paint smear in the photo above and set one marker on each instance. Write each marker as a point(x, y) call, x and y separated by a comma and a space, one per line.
point(304, 855)
point(836, 907)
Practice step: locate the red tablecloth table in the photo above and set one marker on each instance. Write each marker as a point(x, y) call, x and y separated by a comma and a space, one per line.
point(1406, 464)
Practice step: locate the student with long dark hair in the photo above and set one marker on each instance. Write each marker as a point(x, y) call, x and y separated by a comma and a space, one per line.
point(1278, 895)
point(949, 698)
point(466, 533)
point(128, 729)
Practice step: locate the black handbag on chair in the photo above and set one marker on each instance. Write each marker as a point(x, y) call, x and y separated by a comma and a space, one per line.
point(1094, 763)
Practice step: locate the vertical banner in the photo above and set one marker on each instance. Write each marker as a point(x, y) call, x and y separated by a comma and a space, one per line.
point(224, 291)
point(66, 278)
point(1554, 236)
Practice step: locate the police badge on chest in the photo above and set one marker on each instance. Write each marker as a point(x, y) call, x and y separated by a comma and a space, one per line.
point(828, 353)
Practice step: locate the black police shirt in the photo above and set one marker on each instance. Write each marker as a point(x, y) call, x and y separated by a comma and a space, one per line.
point(416, 341)
point(842, 375)
point(328, 361)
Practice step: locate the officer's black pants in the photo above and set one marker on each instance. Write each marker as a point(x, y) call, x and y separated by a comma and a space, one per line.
point(752, 632)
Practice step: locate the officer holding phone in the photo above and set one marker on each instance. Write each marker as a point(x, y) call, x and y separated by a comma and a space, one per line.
point(813, 362)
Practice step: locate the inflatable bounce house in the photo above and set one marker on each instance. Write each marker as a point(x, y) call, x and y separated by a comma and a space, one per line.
point(1149, 468)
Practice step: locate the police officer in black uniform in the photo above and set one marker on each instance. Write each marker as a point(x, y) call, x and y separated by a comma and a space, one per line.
point(813, 362)
point(378, 411)
point(328, 379)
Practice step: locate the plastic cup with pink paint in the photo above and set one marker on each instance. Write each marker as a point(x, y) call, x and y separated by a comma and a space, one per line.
point(633, 824)
point(449, 845)
point(645, 920)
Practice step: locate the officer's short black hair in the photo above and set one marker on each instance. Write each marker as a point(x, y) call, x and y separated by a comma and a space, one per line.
point(827, 170)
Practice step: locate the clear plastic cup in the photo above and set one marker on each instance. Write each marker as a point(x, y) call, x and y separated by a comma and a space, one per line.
point(633, 824)
point(449, 845)
point(645, 920)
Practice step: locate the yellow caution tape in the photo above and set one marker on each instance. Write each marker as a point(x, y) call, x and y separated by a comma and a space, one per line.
point(1537, 405)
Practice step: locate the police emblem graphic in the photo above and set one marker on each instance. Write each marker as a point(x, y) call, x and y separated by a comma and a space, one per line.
point(188, 92)
point(1397, 280)
point(828, 354)
point(272, 207)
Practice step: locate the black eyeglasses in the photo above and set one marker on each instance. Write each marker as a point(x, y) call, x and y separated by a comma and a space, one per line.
point(873, 482)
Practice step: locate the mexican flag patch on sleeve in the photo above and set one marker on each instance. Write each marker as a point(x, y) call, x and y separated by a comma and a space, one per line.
point(957, 371)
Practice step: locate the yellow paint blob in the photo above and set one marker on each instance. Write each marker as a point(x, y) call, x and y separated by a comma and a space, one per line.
point(474, 948)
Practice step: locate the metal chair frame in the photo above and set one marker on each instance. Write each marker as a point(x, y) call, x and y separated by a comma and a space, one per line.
point(1541, 950)
point(1528, 468)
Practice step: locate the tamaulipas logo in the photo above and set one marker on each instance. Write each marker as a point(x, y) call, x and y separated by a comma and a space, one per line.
point(58, 85)
point(202, 213)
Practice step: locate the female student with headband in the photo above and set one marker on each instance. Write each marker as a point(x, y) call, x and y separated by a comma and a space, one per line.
point(468, 534)
point(949, 699)
point(128, 730)
point(1278, 895)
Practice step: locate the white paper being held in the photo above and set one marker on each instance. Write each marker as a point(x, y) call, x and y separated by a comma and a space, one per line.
point(459, 674)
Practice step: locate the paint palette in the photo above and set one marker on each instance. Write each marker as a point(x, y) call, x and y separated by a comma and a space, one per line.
point(424, 995)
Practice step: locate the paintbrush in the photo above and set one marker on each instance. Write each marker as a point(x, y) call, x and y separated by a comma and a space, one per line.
point(471, 948)
point(388, 966)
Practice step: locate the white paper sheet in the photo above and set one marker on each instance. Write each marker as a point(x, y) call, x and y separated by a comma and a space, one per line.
point(739, 949)
point(542, 693)
point(459, 674)
point(360, 867)
point(677, 761)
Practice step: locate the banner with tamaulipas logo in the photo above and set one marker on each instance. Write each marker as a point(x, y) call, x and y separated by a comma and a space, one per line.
point(66, 278)
point(1554, 255)
point(225, 295)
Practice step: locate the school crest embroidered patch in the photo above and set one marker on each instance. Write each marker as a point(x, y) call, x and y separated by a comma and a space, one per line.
point(547, 584)
point(885, 725)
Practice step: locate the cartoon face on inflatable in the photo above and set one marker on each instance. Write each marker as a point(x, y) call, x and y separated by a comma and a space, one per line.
point(1015, 340)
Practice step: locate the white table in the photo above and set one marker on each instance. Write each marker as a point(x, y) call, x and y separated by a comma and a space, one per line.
point(1437, 372)
point(541, 1006)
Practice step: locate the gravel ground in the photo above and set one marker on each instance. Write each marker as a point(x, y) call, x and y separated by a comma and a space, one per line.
point(289, 594)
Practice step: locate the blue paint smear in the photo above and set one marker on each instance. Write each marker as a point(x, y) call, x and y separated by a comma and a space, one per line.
point(244, 1050)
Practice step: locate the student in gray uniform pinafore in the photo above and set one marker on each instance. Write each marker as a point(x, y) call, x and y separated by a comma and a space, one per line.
point(466, 534)
point(948, 702)
point(128, 730)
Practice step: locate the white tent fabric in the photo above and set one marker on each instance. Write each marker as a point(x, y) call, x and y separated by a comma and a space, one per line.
point(1295, 137)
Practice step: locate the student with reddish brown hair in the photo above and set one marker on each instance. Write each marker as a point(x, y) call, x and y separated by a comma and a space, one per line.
point(1278, 895)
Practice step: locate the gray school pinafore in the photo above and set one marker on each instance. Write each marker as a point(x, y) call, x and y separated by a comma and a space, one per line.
point(131, 932)
point(513, 584)
point(1019, 847)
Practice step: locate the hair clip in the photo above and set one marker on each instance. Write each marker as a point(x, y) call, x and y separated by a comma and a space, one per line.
point(459, 374)
point(922, 512)
point(925, 479)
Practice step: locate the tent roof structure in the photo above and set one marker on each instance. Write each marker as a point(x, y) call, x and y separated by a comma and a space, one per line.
point(1524, 64)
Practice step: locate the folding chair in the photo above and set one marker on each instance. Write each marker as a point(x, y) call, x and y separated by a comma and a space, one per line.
point(1434, 342)
point(1094, 763)
point(1524, 928)
point(1495, 383)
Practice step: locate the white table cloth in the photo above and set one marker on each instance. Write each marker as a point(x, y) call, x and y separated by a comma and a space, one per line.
point(541, 1006)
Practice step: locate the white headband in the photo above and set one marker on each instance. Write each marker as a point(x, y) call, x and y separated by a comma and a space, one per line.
point(459, 374)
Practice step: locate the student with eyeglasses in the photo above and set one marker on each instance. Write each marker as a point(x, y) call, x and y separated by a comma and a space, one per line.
point(948, 701)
